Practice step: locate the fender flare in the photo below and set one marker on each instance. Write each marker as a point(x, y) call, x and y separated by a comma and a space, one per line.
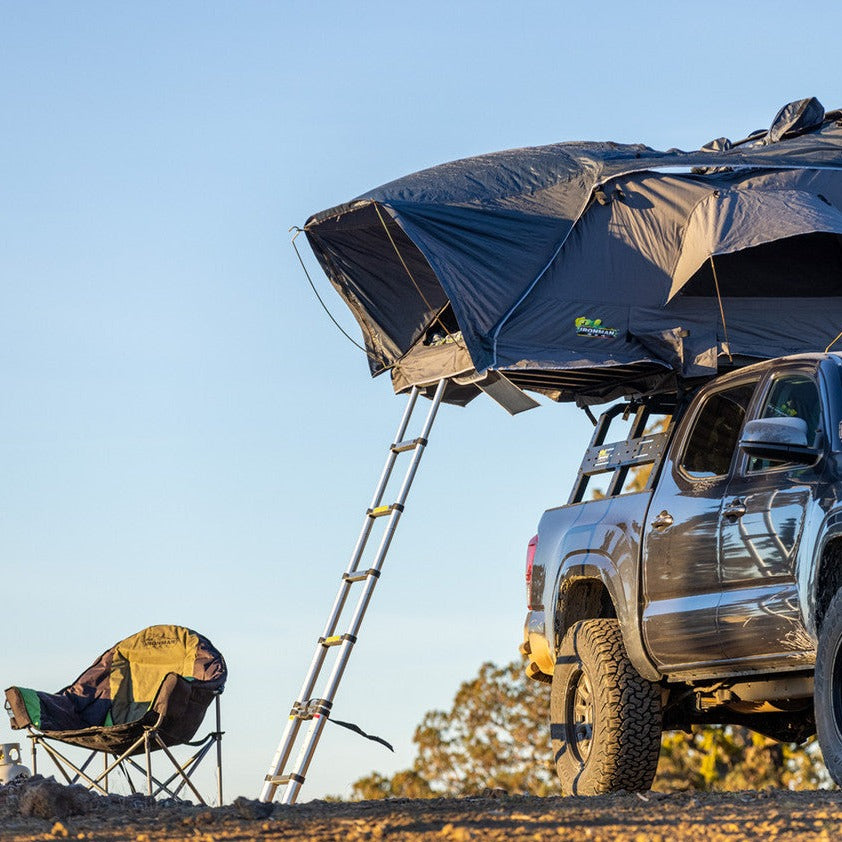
point(830, 530)
point(596, 565)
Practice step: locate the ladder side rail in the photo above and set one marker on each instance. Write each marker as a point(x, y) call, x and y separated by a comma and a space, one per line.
point(390, 459)
point(394, 517)
point(368, 522)
point(305, 757)
point(294, 722)
point(267, 792)
point(317, 724)
point(419, 451)
point(311, 740)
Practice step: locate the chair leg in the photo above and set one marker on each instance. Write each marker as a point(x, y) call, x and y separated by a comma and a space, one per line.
point(154, 787)
point(218, 739)
point(175, 763)
point(56, 756)
point(61, 761)
point(32, 740)
point(189, 766)
point(81, 771)
point(124, 768)
point(148, 763)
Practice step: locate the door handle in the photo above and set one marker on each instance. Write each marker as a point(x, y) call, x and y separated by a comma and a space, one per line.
point(662, 521)
point(735, 509)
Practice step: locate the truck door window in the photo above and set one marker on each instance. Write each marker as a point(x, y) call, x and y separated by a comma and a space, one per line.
point(716, 430)
point(791, 396)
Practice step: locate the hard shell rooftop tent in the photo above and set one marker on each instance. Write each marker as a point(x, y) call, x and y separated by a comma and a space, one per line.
point(589, 271)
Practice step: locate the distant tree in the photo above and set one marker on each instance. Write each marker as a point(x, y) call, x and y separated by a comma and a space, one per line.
point(496, 735)
point(732, 758)
point(405, 784)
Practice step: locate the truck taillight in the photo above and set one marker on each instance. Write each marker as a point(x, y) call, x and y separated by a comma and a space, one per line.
point(530, 560)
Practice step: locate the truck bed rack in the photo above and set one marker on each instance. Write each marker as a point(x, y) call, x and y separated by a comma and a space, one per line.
point(637, 449)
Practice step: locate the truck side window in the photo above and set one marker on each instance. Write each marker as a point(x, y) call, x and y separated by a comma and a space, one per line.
point(791, 396)
point(713, 439)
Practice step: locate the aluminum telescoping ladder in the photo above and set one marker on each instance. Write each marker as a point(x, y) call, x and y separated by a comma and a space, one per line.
point(316, 710)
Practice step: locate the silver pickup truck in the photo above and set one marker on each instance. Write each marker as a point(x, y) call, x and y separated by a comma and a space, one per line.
point(703, 584)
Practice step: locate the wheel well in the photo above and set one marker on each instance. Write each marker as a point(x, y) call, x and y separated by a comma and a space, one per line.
point(829, 580)
point(581, 599)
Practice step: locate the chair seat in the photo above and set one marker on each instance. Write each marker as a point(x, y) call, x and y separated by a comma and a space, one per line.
point(112, 739)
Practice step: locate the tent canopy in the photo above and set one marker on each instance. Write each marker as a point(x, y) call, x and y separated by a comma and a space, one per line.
point(589, 270)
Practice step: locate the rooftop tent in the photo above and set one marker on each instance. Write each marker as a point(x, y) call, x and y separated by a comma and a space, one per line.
point(589, 271)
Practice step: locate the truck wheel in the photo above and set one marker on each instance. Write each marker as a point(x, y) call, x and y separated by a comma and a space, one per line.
point(605, 720)
point(827, 697)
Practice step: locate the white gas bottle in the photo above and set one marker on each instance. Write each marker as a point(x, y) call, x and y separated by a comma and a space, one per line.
point(10, 766)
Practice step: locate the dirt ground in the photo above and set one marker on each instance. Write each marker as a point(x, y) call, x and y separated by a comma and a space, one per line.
point(38, 809)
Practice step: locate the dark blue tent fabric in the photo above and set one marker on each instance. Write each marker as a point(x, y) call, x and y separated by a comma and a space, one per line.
point(514, 254)
point(465, 247)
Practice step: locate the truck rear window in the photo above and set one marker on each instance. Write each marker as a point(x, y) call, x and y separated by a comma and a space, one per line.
point(716, 430)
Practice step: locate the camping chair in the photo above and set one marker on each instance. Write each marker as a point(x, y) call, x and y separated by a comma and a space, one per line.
point(147, 693)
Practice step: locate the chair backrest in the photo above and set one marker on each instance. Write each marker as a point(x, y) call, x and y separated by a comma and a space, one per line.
point(127, 676)
point(141, 662)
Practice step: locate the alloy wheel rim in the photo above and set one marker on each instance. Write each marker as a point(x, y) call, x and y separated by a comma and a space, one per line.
point(836, 688)
point(580, 716)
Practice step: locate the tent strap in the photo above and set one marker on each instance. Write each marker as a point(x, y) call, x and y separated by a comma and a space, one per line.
point(321, 301)
point(721, 310)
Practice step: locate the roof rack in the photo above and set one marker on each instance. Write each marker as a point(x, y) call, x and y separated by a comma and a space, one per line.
point(637, 449)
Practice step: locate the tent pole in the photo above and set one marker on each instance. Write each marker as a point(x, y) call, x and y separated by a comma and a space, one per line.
point(721, 310)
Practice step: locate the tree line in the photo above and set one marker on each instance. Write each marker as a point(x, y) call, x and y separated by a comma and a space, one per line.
point(496, 736)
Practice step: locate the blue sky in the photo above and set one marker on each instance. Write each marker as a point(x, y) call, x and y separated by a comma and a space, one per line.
point(185, 436)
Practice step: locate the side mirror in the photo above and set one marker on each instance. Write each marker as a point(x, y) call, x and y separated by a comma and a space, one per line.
point(783, 439)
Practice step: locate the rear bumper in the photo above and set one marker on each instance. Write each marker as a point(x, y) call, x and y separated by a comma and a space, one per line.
point(534, 647)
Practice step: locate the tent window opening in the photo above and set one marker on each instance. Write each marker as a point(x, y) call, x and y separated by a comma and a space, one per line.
point(444, 329)
point(806, 266)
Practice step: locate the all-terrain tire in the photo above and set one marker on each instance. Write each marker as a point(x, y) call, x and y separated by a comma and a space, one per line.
point(827, 698)
point(595, 679)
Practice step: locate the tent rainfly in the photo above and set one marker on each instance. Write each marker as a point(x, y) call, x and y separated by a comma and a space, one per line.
point(590, 271)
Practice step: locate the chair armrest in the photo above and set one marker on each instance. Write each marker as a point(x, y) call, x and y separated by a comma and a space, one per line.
point(44, 711)
point(181, 704)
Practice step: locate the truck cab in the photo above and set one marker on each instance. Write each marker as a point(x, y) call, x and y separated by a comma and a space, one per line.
point(714, 572)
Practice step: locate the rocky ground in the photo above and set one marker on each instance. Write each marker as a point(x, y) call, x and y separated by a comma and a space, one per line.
point(39, 809)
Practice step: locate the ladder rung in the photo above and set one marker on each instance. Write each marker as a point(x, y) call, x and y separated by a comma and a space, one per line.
point(382, 511)
point(337, 639)
point(360, 577)
point(409, 444)
point(281, 780)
